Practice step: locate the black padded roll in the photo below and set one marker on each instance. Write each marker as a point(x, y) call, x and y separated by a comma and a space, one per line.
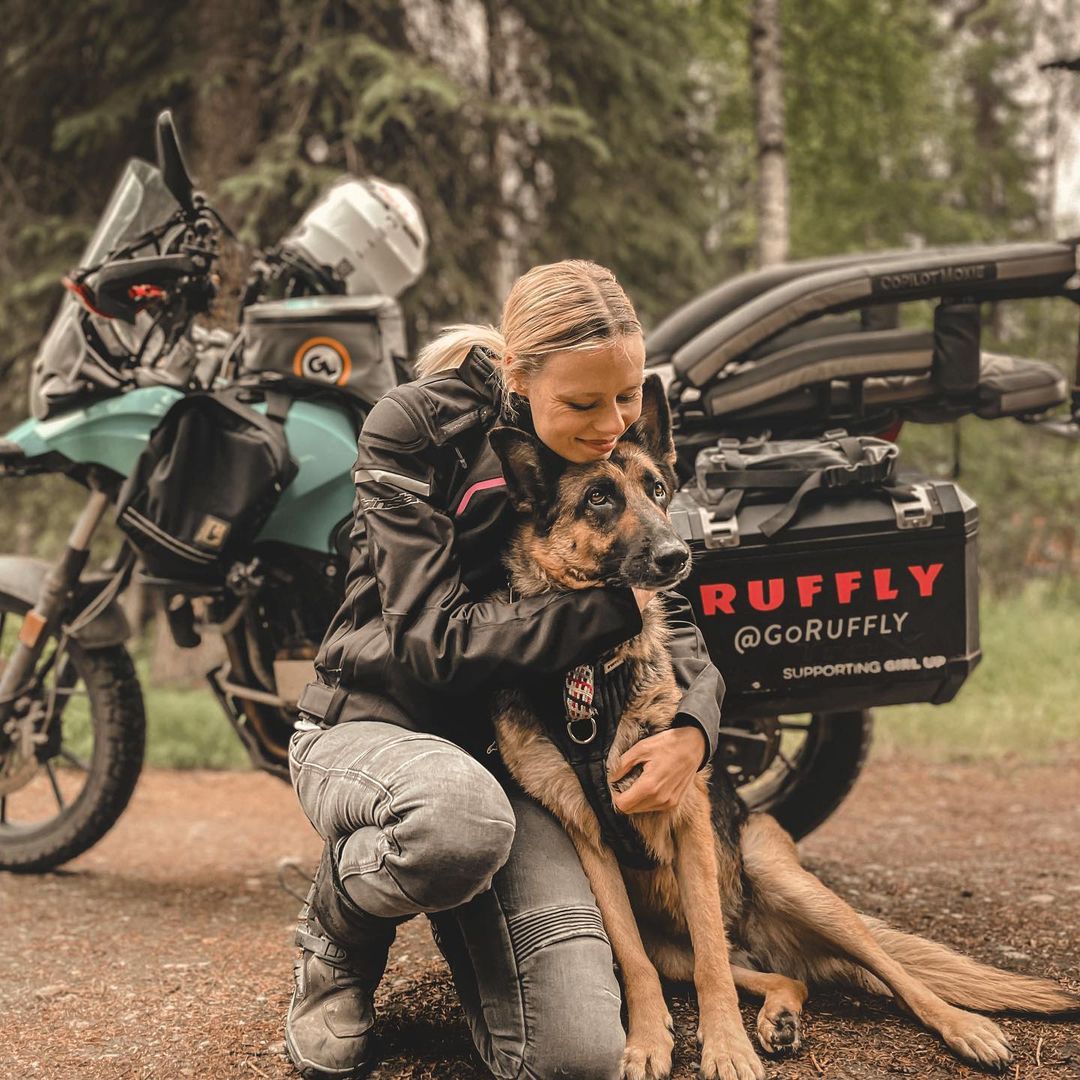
point(956, 348)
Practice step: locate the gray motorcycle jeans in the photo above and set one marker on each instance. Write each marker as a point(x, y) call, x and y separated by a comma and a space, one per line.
point(423, 827)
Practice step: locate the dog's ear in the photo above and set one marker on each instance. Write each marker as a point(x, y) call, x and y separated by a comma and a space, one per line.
point(529, 467)
point(653, 428)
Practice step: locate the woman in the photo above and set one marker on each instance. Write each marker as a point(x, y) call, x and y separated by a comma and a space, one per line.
point(416, 812)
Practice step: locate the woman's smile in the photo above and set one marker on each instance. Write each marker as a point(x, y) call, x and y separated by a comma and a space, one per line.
point(602, 446)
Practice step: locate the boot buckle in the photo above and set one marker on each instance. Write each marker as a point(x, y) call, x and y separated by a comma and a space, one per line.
point(322, 947)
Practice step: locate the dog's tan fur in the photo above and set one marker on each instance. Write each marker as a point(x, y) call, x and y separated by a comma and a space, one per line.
point(675, 921)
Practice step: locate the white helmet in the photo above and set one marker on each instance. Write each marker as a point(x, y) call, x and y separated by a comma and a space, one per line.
point(368, 233)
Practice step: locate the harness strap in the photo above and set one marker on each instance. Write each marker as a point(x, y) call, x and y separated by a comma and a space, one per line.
point(593, 700)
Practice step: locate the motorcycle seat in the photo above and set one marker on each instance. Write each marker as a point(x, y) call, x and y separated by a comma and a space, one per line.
point(1008, 386)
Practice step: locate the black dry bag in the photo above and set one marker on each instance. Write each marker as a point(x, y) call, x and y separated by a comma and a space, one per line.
point(206, 483)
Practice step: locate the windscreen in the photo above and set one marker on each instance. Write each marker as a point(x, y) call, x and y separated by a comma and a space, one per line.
point(139, 201)
point(66, 368)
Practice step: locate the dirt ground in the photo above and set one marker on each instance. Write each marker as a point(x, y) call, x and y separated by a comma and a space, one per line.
point(166, 951)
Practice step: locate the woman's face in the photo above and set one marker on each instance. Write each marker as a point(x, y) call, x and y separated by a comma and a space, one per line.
point(582, 401)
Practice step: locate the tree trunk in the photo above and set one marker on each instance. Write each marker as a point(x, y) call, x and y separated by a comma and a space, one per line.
point(772, 187)
point(226, 124)
point(503, 149)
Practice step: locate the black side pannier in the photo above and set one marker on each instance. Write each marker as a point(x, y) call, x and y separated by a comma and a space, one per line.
point(205, 485)
point(826, 579)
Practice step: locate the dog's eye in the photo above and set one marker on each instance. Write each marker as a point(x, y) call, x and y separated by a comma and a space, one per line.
point(597, 497)
point(659, 490)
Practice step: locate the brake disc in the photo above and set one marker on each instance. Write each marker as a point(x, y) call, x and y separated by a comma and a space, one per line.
point(19, 765)
point(747, 752)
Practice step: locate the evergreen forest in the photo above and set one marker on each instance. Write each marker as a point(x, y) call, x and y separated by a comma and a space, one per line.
point(531, 130)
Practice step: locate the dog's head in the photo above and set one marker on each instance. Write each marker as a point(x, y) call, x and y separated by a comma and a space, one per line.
point(600, 522)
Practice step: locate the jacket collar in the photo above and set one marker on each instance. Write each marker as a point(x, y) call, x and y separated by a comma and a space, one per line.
point(478, 371)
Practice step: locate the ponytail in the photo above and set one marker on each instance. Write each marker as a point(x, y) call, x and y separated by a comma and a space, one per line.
point(451, 347)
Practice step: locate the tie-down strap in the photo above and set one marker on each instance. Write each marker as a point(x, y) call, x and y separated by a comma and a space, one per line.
point(593, 700)
point(861, 462)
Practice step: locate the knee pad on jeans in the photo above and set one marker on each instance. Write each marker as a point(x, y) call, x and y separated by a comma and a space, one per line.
point(467, 841)
point(451, 830)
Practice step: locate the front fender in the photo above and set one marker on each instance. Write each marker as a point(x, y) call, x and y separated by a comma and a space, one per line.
point(21, 577)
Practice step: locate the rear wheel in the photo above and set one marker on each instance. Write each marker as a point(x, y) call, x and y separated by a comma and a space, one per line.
point(817, 761)
point(70, 754)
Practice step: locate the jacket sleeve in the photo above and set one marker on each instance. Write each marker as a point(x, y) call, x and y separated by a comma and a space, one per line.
point(434, 627)
point(695, 674)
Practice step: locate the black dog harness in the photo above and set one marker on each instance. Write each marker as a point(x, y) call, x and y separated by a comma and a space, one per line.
point(582, 724)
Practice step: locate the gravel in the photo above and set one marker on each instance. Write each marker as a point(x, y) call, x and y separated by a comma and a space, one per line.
point(166, 951)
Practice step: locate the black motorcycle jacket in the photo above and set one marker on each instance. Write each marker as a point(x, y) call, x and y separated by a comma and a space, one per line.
point(416, 642)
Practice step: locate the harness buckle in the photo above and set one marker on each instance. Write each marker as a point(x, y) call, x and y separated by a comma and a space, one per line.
point(592, 733)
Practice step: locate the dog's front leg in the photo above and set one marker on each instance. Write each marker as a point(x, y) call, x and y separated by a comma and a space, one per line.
point(726, 1051)
point(649, 1041)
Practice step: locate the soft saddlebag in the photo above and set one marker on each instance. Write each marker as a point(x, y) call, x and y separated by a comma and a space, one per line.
point(206, 483)
point(824, 579)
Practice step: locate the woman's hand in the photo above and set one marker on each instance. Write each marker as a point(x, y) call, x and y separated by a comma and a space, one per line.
point(670, 759)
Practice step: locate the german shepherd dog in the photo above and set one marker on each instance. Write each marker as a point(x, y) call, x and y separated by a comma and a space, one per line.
point(722, 874)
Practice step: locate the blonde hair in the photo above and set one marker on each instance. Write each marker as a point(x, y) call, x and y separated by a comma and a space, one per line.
point(557, 307)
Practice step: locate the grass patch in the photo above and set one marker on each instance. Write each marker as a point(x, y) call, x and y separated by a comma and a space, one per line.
point(186, 729)
point(1023, 700)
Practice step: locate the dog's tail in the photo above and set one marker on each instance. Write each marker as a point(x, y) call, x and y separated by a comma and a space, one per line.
point(965, 982)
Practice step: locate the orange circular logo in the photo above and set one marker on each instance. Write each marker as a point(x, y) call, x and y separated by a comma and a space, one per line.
point(323, 359)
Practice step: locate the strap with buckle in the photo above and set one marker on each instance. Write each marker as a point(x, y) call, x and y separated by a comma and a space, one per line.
point(329, 950)
point(592, 701)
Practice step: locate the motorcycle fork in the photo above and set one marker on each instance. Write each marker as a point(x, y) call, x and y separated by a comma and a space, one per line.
point(41, 622)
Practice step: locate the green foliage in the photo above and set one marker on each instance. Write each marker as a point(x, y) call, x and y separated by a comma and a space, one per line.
point(1024, 480)
point(907, 126)
point(78, 92)
point(1019, 702)
point(530, 130)
point(186, 729)
point(643, 206)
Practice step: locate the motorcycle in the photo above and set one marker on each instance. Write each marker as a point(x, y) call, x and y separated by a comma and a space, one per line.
point(789, 353)
point(321, 338)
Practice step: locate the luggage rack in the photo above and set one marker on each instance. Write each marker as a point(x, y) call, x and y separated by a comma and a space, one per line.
point(792, 348)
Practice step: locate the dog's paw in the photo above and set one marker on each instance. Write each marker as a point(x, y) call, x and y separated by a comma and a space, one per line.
point(735, 1061)
point(976, 1039)
point(778, 1030)
point(648, 1056)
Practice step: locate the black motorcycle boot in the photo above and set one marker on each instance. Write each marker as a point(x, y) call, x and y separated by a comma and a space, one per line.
point(343, 956)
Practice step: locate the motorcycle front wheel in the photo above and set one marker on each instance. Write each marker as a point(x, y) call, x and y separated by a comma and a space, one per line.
point(816, 764)
point(72, 752)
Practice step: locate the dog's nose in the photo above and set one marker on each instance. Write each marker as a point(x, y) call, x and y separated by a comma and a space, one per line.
point(671, 560)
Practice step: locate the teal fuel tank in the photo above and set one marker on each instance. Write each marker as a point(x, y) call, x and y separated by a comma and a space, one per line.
point(114, 432)
point(322, 442)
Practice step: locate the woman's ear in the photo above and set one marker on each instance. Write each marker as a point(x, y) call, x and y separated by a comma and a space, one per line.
point(653, 428)
point(515, 383)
